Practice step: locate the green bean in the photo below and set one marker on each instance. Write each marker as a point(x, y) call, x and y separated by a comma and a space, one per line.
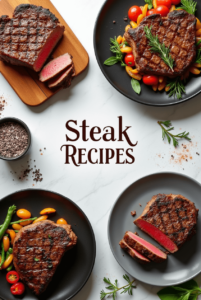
point(2, 255)
point(6, 223)
point(20, 221)
point(9, 268)
point(10, 250)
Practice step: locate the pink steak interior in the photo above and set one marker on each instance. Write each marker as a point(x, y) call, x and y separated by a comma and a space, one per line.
point(47, 49)
point(147, 245)
point(137, 254)
point(59, 77)
point(158, 235)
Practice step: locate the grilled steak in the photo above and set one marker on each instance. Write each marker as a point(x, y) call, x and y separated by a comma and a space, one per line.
point(133, 253)
point(29, 37)
point(170, 219)
point(38, 250)
point(177, 31)
point(144, 247)
point(63, 79)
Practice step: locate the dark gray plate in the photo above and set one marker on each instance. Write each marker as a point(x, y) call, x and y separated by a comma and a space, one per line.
point(77, 264)
point(179, 267)
point(116, 75)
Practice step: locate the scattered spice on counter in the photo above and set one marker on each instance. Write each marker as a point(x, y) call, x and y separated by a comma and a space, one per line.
point(197, 153)
point(3, 103)
point(133, 213)
point(125, 19)
point(37, 175)
point(114, 22)
point(183, 153)
point(13, 139)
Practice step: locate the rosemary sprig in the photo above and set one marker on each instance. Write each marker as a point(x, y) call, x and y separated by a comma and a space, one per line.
point(189, 6)
point(167, 134)
point(128, 288)
point(176, 88)
point(159, 48)
point(115, 48)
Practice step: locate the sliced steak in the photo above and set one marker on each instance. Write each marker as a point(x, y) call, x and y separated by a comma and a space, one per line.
point(177, 31)
point(144, 247)
point(29, 37)
point(133, 253)
point(169, 219)
point(38, 250)
point(63, 79)
point(56, 66)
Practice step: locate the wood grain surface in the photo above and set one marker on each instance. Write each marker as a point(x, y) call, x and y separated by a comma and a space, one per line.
point(24, 81)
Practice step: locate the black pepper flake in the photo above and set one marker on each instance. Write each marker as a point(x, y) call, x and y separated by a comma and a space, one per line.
point(197, 153)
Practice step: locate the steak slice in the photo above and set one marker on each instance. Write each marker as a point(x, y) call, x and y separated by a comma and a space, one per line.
point(63, 79)
point(55, 66)
point(29, 37)
point(133, 253)
point(144, 247)
point(169, 219)
point(38, 250)
point(177, 31)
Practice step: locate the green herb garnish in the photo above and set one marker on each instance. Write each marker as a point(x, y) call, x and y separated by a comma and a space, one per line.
point(159, 48)
point(115, 48)
point(167, 134)
point(49, 236)
point(50, 266)
point(114, 288)
point(186, 291)
point(176, 88)
point(198, 56)
point(189, 6)
point(136, 86)
point(149, 2)
point(36, 259)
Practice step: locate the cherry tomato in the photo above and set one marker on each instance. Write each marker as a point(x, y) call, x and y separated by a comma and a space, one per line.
point(162, 10)
point(151, 12)
point(23, 214)
point(62, 222)
point(47, 211)
point(12, 277)
point(129, 60)
point(167, 3)
point(150, 80)
point(134, 12)
point(175, 2)
point(17, 288)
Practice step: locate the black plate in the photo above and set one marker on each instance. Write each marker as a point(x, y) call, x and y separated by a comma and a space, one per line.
point(116, 75)
point(77, 264)
point(180, 266)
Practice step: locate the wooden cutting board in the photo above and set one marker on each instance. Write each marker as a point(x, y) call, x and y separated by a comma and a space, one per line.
point(25, 81)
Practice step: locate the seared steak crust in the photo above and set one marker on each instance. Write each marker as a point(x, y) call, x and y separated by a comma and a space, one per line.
point(177, 31)
point(23, 37)
point(38, 250)
point(174, 215)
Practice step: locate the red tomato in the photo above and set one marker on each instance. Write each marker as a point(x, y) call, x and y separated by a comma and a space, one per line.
point(151, 12)
point(12, 277)
point(162, 10)
point(167, 3)
point(175, 2)
point(134, 12)
point(150, 80)
point(17, 288)
point(129, 60)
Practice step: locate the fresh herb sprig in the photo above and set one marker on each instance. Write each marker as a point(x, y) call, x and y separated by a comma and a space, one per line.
point(136, 86)
point(128, 288)
point(176, 88)
point(115, 48)
point(198, 56)
point(150, 4)
point(159, 48)
point(167, 134)
point(189, 6)
point(186, 291)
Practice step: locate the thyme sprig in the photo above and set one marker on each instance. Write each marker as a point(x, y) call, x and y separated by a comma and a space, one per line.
point(189, 6)
point(167, 134)
point(176, 88)
point(115, 48)
point(159, 48)
point(128, 288)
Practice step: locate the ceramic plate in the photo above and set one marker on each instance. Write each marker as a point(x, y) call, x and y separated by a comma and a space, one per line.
point(179, 267)
point(77, 264)
point(105, 29)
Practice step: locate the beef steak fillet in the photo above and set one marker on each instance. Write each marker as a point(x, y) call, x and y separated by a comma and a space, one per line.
point(29, 37)
point(38, 250)
point(169, 219)
point(177, 31)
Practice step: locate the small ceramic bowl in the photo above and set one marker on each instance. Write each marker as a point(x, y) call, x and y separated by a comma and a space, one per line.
point(15, 120)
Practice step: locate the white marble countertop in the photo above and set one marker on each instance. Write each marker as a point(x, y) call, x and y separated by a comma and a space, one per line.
point(96, 187)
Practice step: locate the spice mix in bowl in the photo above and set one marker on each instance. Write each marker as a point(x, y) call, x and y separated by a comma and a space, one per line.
point(15, 138)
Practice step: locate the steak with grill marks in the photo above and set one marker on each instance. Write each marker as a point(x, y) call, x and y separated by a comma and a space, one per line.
point(169, 219)
point(38, 250)
point(29, 37)
point(177, 31)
